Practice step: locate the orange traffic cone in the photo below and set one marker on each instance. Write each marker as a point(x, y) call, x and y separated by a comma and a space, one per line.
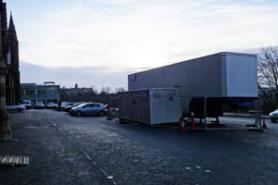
point(192, 122)
point(264, 124)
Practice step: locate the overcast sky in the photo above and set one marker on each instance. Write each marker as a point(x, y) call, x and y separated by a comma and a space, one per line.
point(122, 35)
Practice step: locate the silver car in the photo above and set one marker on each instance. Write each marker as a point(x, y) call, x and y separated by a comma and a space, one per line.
point(52, 105)
point(274, 115)
point(88, 109)
point(39, 105)
point(27, 103)
point(15, 108)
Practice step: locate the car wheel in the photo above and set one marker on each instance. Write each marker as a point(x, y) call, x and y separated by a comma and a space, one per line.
point(79, 113)
point(19, 110)
point(273, 120)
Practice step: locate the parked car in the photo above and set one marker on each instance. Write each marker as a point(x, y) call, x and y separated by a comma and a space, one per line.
point(65, 103)
point(108, 109)
point(274, 115)
point(27, 103)
point(88, 109)
point(69, 107)
point(52, 105)
point(39, 105)
point(15, 108)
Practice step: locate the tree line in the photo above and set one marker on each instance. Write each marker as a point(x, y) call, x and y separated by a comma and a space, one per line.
point(268, 78)
point(267, 84)
point(106, 95)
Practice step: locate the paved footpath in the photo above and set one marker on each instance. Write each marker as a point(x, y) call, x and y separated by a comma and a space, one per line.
point(90, 150)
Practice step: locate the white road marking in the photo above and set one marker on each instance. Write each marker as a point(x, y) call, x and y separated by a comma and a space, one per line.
point(90, 159)
point(247, 140)
point(207, 171)
point(109, 177)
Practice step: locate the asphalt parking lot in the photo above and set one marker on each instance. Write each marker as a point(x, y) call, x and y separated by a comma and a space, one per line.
point(91, 150)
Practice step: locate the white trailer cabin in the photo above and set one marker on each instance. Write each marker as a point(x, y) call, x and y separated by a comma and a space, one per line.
point(151, 106)
point(221, 77)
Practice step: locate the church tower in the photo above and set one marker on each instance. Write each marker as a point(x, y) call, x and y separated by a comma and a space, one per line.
point(12, 61)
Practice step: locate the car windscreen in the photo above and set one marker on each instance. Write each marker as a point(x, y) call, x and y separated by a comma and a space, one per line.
point(80, 105)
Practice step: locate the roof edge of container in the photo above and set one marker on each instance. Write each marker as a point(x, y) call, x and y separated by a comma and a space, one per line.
point(191, 60)
point(238, 53)
point(155, 88)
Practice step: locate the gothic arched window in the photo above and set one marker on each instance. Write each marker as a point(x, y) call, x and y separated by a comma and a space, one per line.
point(9, 57)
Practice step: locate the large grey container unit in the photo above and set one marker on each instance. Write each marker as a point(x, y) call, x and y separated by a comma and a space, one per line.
point(151, 106)
point(222, 75)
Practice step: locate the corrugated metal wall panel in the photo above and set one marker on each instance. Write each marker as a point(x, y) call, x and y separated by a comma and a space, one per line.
point(200, 77)
point(241, 74)
point(219, 75)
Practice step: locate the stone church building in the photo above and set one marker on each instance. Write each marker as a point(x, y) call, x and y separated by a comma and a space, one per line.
point(13, 76)
point(9, 69)
point(10, 58)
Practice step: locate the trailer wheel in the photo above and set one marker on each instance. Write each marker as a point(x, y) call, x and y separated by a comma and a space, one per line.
point(122, 121)
point(101, 113)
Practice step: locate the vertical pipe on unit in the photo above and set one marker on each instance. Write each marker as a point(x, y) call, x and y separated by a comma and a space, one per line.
point(260, 113)
point(205, 112)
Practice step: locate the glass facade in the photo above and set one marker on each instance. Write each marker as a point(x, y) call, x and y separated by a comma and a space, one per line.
point(44, 93)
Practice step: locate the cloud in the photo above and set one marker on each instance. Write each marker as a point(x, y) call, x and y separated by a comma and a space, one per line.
point(139, 33)
point(96, 77)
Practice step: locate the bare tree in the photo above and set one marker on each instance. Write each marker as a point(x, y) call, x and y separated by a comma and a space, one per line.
point(119, 89)
point(268, 75)
point(94, 89)
point(106, 90)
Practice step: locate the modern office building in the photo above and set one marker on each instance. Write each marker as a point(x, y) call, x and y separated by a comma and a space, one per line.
point(47, 92)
